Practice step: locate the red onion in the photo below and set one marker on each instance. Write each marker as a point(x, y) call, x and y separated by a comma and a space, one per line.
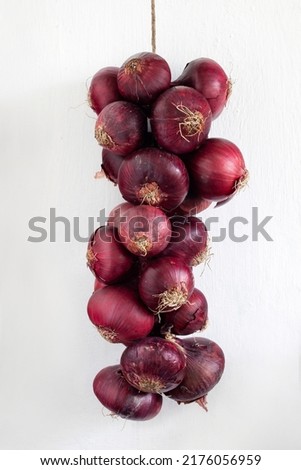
point(217, 169)
point(166, 284)
point(193, 205)
point(188, 319)
point(116, 216)
point(110, 164)
point(205, 366)
point(98, 284)
point(189, 240)
point(121, 127)
point(207, 77)
point(130, 281)
point(143, 77)
point(152, 176)
point(181, 119)
point(145, 230)
point(103, 89)
point(106, 257)
point(119, 315)
point(116, 394)
point(153, 365)
point(111, 161)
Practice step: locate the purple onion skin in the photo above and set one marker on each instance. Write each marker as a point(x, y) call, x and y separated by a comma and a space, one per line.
point(205, 366)
point(143, 77)
point(152, 176)
point(193, 205)
point(188, 240)
point(107, 259)
point(146, 223)
point(189, 318)
point(103, 89)
point(121, 127)
point(119, 315)
point(117, 213)
point(111, 163)
point(207, 77)
point(216, 169)
point(98, 284)
point(170, 115)
point(153, 365)
point(116, 394)
point(130, 280)
point(161, 275)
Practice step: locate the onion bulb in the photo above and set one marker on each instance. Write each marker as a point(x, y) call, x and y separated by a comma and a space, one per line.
point(103, 89)
point(154, 177)
point(189, 240)
point(119, 315)
point(121, 127)
point(116, 394)
point(205, 366)
point(143, 77)
point(106, 256)
point(180, 119)
point(144, 230)
point(189, 318)
point(153, 365)
point(166, 284)
point(217, 169)
point(207, 77)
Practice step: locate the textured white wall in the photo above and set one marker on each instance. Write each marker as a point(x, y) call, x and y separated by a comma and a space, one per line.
point(49, 352)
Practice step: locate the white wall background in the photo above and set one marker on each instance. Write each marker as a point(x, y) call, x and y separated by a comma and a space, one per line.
point(49, 352)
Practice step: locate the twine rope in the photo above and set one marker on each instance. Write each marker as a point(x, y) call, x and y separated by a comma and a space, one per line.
point(153, 18)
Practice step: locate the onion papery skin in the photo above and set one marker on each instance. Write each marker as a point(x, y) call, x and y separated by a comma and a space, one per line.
point(119, 315)
point(106, 256)
point(116, 394)
point(98, 284)
point(193, 205)
point(205, 366)
point(117, 213)
point(143, 77)
point(145, 231)
point(166, 284)
point(103, 89)
point(111, 163)
point(207, 77)
point(188, 319)
point(121, 127)
point(155, 177)
point(217, 169)
point(153, 365)
point(189, 240)
point(130, 280)
point(180, 120)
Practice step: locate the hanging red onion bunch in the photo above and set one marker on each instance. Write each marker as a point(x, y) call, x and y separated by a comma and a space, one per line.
point(157, 151)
